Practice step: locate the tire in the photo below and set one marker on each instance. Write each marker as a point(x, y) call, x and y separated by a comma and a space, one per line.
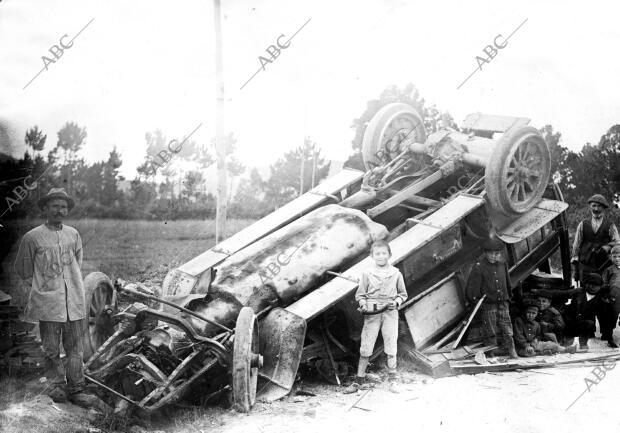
point(98, 326)
point(518, 171)
point(388, 127)
point(245, 361)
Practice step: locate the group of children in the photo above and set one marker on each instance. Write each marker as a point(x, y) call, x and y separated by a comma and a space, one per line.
point(599, 298)
point(540, 329)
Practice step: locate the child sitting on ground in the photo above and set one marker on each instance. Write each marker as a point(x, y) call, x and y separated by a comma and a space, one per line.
point(611, 310)
point(550, 320)
point(380, 293)
point(528, 336)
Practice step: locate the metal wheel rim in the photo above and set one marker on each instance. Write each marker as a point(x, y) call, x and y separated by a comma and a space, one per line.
point(389, 127)
point(99, 326)
point(245, 374)
point(523, 172)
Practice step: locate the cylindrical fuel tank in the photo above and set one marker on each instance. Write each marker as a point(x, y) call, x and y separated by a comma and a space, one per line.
point(282, 267)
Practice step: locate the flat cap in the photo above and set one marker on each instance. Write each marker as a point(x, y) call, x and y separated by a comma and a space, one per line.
point(598, 198)
point(594, 279)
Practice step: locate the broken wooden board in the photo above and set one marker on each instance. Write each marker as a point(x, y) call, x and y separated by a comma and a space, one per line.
point(433, 365)
point(470, 367)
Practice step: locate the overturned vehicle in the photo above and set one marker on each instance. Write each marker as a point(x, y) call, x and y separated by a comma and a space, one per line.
point(243, 316)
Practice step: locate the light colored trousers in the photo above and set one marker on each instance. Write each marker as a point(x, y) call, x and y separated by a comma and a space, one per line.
point(387, 323)
point(70, 334)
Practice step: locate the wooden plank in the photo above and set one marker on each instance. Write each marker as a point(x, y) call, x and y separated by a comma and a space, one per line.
point(435, 312)
point(492, 122)
point(406, 193)
point(533, 220)
point(469, 367)
point(469, 320)
point(416, 237)
point(433, 366)
point(276, 219)
point(443, 341)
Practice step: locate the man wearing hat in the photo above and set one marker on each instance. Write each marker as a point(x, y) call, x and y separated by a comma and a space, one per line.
point(489, 278)
point(594, 239)
point(50, 255)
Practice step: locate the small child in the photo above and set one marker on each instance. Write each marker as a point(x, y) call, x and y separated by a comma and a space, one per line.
point(380, 293)
point(528, 336)
point(550, 320)
point(611, 280)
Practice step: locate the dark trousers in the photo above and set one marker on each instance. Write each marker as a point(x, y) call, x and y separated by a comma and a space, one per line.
point(580, 328)
point(496, 321)
point(70, 333)
point(607, 319)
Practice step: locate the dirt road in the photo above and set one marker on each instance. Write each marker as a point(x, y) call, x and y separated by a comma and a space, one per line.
point(527, 401)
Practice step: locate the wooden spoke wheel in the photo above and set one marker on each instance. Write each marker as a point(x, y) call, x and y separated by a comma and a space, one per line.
point(392, 124)
point(246, 361)
point(100, 299)
point(518, 171)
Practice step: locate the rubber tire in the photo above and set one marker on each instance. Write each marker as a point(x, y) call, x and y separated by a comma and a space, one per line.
point(375, 131)
point(244, 375)
point(93, 281)
point(495, 179)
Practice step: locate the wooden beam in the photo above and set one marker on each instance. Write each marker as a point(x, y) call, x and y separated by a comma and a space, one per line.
point(469, 320)
point(220, 140)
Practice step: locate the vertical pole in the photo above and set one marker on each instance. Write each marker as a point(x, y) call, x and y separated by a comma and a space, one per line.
point(314, 155)
point(301, 176)
point(220, 213)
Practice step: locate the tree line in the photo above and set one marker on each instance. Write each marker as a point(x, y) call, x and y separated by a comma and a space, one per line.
point(172, 185)
point(167, 185)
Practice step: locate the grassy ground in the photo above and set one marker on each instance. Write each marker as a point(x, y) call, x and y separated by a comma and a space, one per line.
point(131, 250)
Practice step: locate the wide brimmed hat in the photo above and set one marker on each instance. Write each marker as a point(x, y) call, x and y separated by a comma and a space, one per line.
point(56, 193)
point(598, 198)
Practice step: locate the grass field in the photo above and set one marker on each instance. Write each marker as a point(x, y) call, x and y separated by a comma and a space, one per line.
point(131, 250)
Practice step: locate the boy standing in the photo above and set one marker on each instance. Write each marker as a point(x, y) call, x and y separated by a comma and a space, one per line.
point(380, 293)
point(609, 315)
point(528, 336)
point(489, 276)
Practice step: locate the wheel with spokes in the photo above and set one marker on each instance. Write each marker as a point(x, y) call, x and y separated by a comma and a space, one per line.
point(246, 361)
point(388, 128)
point(100, 299)
point(518, 171)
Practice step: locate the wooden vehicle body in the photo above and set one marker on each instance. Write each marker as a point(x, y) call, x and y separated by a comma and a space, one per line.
point(244, 314)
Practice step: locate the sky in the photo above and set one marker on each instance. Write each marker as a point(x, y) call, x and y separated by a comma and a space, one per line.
point(142, 65)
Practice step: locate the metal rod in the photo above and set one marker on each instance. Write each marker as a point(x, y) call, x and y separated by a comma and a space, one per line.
point(104, 347)
point(336, 274)
point(331, 357)
point(107, 388)
point(178, 307)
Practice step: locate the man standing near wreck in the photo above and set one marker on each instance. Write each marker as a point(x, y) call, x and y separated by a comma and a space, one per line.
point(489, 278)
point(594, 239)
point(51, 256)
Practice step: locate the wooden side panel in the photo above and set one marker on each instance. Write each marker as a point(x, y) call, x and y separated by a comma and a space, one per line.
point(417, 237)
point(436, 311)
point(271, 222)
